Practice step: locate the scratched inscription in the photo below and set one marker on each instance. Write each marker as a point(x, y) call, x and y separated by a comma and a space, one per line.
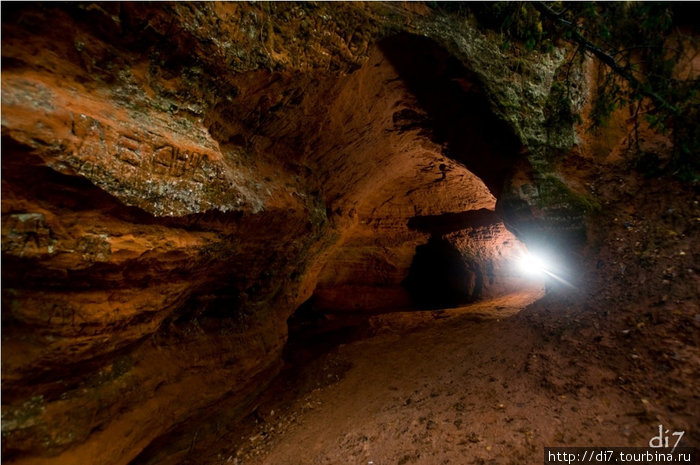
point(173, 161)
point(129, 150)
point(155, 156)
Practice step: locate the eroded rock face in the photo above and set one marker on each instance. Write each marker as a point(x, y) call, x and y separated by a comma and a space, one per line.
point(178, 179)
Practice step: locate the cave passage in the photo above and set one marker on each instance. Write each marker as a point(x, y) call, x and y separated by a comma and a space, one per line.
point(263, 233)
point(454, 248)
point(439, 277)
point(177, 256)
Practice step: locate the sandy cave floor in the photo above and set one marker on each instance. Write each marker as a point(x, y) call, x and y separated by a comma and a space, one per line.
point(477, 385)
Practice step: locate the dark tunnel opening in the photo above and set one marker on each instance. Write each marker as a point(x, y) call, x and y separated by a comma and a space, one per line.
point(439, 276)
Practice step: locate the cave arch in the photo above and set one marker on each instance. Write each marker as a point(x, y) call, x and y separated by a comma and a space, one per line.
point(459, 114)
point(445, 199)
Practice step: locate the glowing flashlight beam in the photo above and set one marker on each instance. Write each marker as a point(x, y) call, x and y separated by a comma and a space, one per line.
point(536, 265)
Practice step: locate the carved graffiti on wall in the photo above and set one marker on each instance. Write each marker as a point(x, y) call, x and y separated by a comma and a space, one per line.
point(153, 154)
point(129, 150)
point(173, 161)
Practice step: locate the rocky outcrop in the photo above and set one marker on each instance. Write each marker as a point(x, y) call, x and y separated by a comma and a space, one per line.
point(177, 179)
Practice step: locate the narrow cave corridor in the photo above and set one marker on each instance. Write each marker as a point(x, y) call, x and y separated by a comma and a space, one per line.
point(426, 235)
point(426, 168)
point(286, 233)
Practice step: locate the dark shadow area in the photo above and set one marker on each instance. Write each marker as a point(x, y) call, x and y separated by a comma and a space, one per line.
point(312, 333)
point(232, 413)
point(439, 277)
point(459, 114)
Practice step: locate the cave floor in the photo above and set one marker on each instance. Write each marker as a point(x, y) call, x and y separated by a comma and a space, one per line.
point(485, 384)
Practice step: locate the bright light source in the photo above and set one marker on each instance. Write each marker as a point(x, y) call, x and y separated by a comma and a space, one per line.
point(530, 264)
point(539, 266)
